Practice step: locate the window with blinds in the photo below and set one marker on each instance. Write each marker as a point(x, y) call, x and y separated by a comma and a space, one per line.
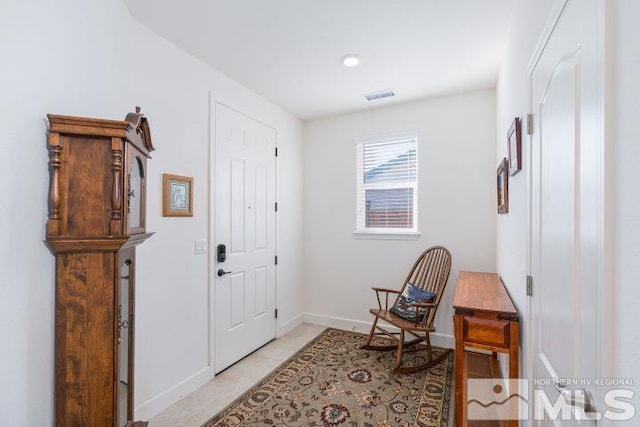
point(387, 186)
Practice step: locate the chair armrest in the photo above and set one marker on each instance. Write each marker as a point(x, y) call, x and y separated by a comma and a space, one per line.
point(426, 308)
point(393, 291)
point(423, 304)
point(386, 299)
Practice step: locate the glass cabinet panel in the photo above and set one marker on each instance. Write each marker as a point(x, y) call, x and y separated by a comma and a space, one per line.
point(135, 196)
point(124, 321)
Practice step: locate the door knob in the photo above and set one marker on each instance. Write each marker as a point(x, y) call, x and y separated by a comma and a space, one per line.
point(221, 272)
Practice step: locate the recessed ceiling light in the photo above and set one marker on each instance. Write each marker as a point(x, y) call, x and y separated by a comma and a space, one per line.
point(350, 60)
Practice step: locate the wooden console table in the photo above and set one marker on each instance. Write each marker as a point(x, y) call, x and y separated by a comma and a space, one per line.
point(485, 318)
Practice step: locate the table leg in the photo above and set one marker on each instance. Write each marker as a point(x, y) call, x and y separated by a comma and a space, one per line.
point(514, 343)
point(461, 374)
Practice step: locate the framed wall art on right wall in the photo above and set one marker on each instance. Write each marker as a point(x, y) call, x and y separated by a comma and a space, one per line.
point(514, 140)
point(502, 186)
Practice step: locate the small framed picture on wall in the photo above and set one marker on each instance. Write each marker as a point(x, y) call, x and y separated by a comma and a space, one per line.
point(502, 186)
point(177, 195)
point(514, 140)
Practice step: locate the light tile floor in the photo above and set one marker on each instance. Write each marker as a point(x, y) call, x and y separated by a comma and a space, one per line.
point(205, 402)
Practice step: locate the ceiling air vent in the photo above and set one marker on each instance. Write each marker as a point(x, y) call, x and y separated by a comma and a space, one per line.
point(380, 94)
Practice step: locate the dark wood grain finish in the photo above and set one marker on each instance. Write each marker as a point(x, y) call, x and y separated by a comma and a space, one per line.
point(92, 244)
point(89, 167)
point(87, 126)
point(87, 233)
point(84, 319)
point(483, 292)
point(54, 176)
point(116, 190)
point(489, 332)
point(485, 319)
point(139, 132)
point(461, 370)
point(89, 160)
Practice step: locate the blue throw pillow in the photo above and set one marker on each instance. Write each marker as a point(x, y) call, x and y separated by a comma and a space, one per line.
point(411, 293)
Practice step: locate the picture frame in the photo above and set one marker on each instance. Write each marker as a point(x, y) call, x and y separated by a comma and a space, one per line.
point(514, 143)
point(502, 186)
point(177, 195)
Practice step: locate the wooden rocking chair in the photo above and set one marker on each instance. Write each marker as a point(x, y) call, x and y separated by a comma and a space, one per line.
point(429, 273)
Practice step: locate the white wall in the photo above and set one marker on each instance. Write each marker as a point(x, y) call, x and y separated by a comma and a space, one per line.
point(457, 204)
point(512, 95)
point(92, 59)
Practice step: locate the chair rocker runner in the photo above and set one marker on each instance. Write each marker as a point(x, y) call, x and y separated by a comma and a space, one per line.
point(429, 275)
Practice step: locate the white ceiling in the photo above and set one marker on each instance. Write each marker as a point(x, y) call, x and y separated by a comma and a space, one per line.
point(289, 51)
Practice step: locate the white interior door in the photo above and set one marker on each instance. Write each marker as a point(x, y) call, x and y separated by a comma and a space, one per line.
point(567, 214)
point(245, 182)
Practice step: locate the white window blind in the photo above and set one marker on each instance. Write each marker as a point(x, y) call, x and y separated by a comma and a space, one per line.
point(387, 186)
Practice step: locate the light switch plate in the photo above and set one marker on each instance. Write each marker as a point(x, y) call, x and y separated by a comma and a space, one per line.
point(200, 246)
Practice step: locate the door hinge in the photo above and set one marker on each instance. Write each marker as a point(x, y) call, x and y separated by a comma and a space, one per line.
point(529, 124)
point(276, 313)
point(276, 206)
point(276, 151)
point(529, 285)
point(276, 259)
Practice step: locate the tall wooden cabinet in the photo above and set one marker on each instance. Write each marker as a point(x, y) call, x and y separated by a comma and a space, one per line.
point(97, 206)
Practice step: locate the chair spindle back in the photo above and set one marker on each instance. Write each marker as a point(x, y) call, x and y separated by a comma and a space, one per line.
point(430, 273)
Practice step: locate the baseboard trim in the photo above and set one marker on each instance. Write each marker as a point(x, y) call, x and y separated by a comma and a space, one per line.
point(338, 322)
point(439, 340)
point(289, 325)
point(162, 401)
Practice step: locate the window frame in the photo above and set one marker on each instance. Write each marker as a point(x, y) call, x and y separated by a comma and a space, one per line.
point(361, 230)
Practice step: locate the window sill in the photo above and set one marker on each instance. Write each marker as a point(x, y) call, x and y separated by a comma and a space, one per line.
point(381, 235)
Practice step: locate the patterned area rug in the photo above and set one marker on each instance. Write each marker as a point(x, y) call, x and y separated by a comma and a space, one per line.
point(331, 382)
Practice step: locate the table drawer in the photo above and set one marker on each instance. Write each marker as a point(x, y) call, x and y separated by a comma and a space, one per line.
point(492, 332)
